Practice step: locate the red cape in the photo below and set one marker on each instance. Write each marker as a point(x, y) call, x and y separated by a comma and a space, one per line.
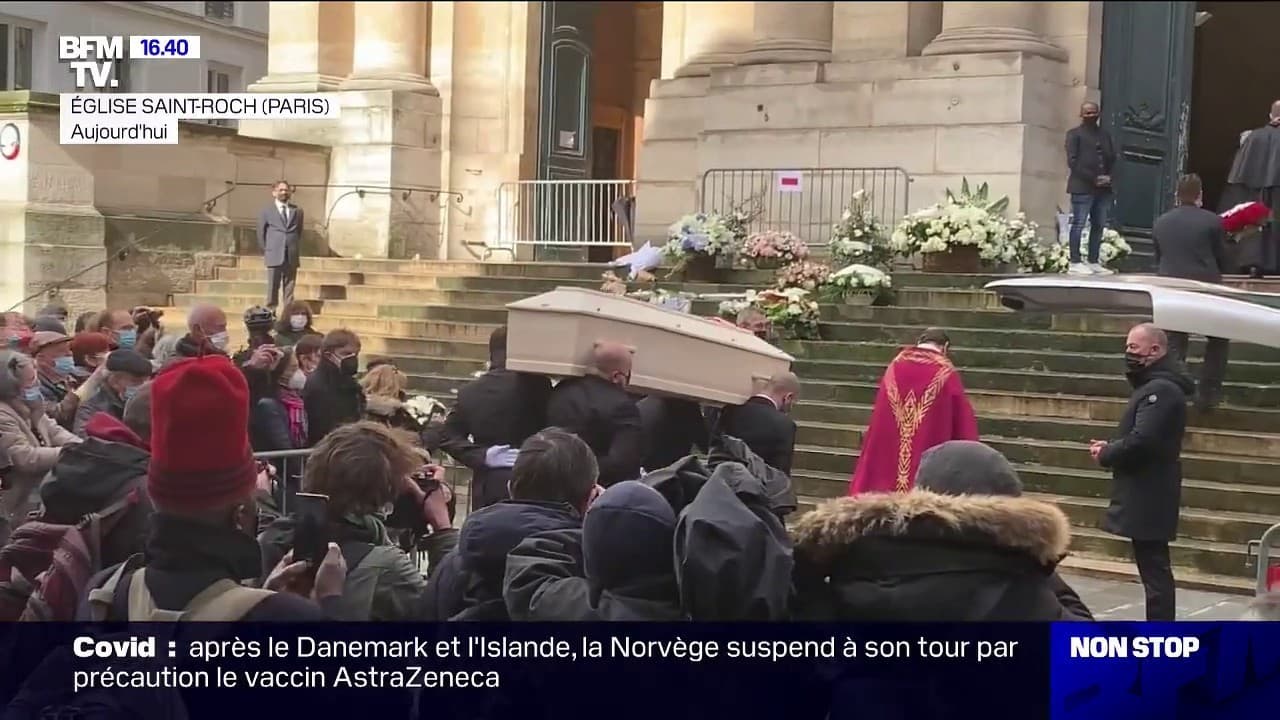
point(921, 403)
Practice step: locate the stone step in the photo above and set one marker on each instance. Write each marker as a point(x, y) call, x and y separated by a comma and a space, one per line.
point(1196, 440)
point(1196, 523)
point(996, 340)
point(923, 316)
point(1052, 361)
point(1056, 454)
point(1101, 566)
point(1070, 407)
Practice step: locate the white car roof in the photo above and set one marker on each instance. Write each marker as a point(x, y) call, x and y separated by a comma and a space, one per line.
point(1171, 303)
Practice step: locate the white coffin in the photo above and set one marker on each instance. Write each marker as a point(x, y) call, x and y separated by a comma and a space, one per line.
point(676, 354)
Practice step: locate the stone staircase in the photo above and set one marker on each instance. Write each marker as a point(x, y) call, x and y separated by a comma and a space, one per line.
point(1043, 386)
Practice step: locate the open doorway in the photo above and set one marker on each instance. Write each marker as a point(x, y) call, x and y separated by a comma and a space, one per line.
point(1234, 81)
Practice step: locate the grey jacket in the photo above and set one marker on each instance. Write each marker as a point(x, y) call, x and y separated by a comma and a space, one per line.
point(280, 243)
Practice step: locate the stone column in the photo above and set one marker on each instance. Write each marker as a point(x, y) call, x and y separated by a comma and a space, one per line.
point(715, 33)
point(789, 33)
point(984, 27)
point(308, 47)
point(391, 40)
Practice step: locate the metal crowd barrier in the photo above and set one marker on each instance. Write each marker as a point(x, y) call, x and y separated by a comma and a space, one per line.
point(806, 202)
point(565, 213)
point(1268, 575)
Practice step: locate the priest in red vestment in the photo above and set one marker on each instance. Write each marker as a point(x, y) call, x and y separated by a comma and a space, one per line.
point(921, 403)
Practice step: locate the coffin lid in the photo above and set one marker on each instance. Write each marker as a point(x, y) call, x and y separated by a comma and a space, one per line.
point(1172, 303)
point(581, 301)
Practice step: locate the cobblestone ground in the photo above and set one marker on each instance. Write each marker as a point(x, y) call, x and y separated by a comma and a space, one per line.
point(1123, 600)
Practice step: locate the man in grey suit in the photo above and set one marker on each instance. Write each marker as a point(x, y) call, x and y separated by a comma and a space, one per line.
point(280, 237)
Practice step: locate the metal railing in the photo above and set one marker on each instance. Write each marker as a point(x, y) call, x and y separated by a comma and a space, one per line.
point(1261, 552)
point(565, 213)
point(805, 201)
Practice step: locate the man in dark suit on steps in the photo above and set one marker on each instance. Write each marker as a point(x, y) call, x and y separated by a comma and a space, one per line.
point(280, 238)
point(1190, 243)
point(763, 422)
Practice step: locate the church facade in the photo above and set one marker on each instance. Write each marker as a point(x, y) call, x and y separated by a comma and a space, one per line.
point(469, 96)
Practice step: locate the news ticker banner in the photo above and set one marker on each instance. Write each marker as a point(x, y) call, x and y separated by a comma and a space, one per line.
point(744, 671)
point(102, 114)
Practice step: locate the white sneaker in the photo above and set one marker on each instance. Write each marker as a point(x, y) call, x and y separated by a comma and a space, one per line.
point(1079, 269)
point(1098, 269)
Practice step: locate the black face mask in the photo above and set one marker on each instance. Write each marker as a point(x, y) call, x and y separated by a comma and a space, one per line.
point(349, 365)
point(1090, 120)
point(1134, 362)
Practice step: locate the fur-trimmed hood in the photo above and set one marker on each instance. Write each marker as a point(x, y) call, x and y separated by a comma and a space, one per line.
point(1015, 524)
point(382, 406)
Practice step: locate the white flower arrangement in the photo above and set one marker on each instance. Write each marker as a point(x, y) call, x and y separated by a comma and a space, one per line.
point(1056, 258)
point(732, 307)
point(790, 311)
point(859, 237)
point(425, 409)
point(968, 219)
point(678, 301)
point(859, 277)
point(699, 234)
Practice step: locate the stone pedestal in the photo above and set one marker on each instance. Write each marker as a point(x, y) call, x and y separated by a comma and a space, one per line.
point(309, 46)
point(391, 48)
point(790, 32)
point(390, 146)
point(980, 27)
point(714, 34)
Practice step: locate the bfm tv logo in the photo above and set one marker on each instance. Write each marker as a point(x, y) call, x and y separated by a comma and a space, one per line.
point(95, 55)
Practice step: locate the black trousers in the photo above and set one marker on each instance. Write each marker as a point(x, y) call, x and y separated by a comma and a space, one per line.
point(1152, 558)
point(1214, 368)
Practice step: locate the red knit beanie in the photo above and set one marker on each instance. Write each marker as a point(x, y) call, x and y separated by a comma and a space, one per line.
point(200, 453)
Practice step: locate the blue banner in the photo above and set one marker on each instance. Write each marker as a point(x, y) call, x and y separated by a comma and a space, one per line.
point(244, 671)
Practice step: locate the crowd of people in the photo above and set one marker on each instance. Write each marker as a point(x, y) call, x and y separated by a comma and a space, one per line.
point(587, 501)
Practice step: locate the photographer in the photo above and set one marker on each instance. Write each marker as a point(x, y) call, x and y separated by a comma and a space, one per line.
point(361, 468)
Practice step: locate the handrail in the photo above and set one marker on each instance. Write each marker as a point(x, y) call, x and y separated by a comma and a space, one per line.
point(209, 204)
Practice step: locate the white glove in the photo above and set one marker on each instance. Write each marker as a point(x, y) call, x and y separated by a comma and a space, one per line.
point(500, 456)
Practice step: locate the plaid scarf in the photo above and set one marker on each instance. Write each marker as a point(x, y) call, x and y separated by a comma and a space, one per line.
point(297, 417)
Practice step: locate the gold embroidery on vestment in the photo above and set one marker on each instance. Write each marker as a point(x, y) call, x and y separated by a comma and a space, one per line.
point(909, 412)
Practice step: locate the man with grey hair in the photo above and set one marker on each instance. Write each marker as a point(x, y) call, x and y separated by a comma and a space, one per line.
point(1145, 462)
point(763, 422)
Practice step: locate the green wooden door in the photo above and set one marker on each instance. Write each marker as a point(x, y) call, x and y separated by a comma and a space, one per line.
point(564, 128)
point(1146, 95)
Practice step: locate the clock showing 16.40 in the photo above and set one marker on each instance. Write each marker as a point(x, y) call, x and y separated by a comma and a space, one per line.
point(10, 141)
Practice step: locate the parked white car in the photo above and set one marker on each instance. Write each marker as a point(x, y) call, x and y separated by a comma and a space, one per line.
point(1171, 303)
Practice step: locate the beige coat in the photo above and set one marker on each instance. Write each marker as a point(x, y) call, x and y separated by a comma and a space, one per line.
point(32, 449)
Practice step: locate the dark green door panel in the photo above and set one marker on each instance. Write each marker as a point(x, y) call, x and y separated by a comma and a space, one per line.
point(1146, 93)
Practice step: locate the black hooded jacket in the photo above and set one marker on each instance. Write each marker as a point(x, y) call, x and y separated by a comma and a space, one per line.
point(468, 583)
point(1145, 457)
point(617, 568)
point(924, 557)
point(89, 477)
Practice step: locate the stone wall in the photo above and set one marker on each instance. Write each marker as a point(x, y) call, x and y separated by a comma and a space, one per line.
point(124, 222)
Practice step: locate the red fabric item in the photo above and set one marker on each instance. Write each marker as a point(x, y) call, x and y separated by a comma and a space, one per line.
point(921, 403)
point(200, 453)
point(14, 332)
point(86, 344)
point(105, 426)
point(1243, 215)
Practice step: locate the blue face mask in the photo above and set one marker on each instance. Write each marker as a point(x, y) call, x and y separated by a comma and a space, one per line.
point(126, 339)
point(32, 394)
point(129, 392)
point(64, 365)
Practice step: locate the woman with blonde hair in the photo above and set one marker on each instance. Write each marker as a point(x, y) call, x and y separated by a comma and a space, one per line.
point(385, 392)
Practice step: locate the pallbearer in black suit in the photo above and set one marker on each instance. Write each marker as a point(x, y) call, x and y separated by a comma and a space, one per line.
point(598, 409)
point(673, 427)
point(763, 422)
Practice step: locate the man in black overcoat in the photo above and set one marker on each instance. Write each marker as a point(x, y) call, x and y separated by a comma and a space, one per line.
point(1145, 462)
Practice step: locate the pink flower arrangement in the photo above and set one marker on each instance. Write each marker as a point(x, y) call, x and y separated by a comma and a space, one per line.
point(775, 245)
point(806, 275)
